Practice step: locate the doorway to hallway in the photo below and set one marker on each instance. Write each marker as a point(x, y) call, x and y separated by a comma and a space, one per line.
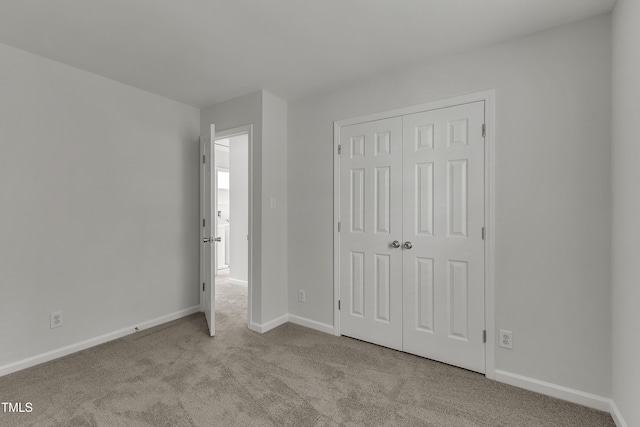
point(232, 208)
point(226, 212)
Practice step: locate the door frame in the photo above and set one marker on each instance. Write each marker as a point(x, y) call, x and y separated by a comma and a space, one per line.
point(488, 97)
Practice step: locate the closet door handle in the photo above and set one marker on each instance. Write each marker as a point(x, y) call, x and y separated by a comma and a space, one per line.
point(395, 244)
point(408, 245)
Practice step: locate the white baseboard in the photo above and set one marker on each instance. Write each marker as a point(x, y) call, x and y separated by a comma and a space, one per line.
point(238, 282)
point(616, 415)
point(255, 327)
point(82, 345)
point(265, 327)
point(318, 326)
point(272, 324)
point(555, 390)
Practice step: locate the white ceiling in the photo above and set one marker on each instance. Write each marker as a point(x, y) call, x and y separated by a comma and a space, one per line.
point(204, 51)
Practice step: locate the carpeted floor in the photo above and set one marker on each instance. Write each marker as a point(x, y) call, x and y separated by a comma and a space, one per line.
point(176, 375)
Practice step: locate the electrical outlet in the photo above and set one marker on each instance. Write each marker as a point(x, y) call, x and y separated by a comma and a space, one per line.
point(56, 319)
point(301, 296)
point(506, 339)
point(273, 203)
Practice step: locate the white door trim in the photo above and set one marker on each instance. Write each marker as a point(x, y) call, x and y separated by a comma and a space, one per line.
point(247, 129)
point(488, 97)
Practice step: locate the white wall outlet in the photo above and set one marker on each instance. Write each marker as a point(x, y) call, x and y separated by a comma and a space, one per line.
point(506, 339)
point(56, 319)
point(301, 296)
point(273, 203)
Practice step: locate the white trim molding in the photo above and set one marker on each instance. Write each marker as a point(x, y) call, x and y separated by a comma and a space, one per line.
point(488, 97)
point(292, 318)
point(312, 324)
point(555, 390)
point(336, 233)
point(92, 342)
point(272, 324)
point(616, 415)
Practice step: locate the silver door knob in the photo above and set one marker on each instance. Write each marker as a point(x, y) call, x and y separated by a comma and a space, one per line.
point(217, 239)
point(395, 244)
point(408, 245)
point(206, 239)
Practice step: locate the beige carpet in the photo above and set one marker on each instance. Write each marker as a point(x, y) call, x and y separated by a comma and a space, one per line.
point(176, 375)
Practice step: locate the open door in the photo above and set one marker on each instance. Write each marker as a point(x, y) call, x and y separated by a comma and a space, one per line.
point(207, 230)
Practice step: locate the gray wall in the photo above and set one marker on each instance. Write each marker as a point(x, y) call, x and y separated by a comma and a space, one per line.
point(626, 210)
point(274, 185)
point(239, 207)
point(552, 192)
point(99, 205)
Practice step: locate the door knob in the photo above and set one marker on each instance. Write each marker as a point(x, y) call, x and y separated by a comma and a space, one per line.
point(211, 239)
point(408, 245)
point(395, 244)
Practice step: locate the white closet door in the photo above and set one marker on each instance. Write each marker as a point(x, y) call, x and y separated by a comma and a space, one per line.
point(443, 271)
point(371, 216)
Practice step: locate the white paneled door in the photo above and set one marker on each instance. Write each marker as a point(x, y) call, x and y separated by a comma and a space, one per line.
point(443, 204)
point(411, 239)
point(208, 227)
point(371, 215)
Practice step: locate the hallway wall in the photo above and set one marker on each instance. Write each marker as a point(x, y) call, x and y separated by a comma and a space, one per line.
point(239, 207)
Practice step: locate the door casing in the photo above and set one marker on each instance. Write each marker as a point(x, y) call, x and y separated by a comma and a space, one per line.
point(488, 97)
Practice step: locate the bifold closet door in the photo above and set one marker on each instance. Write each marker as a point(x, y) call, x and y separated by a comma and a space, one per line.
point(371, 220)
point(443, 271)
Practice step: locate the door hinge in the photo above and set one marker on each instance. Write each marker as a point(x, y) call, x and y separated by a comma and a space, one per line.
point(339, 226)
point(484, 336)
point(202, 286)
point(339, 149)
point(203, 222)
point(484, 130)
point(484, 233)
point(204, 159)
point(338, 304)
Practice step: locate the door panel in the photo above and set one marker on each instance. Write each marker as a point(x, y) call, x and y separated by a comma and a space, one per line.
point(356, 286)
point(424, 198)
point(208, 228)
point(357, 201)
point(443, 204)
point(423, 290)
point(371, 215)
point(383, 287)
